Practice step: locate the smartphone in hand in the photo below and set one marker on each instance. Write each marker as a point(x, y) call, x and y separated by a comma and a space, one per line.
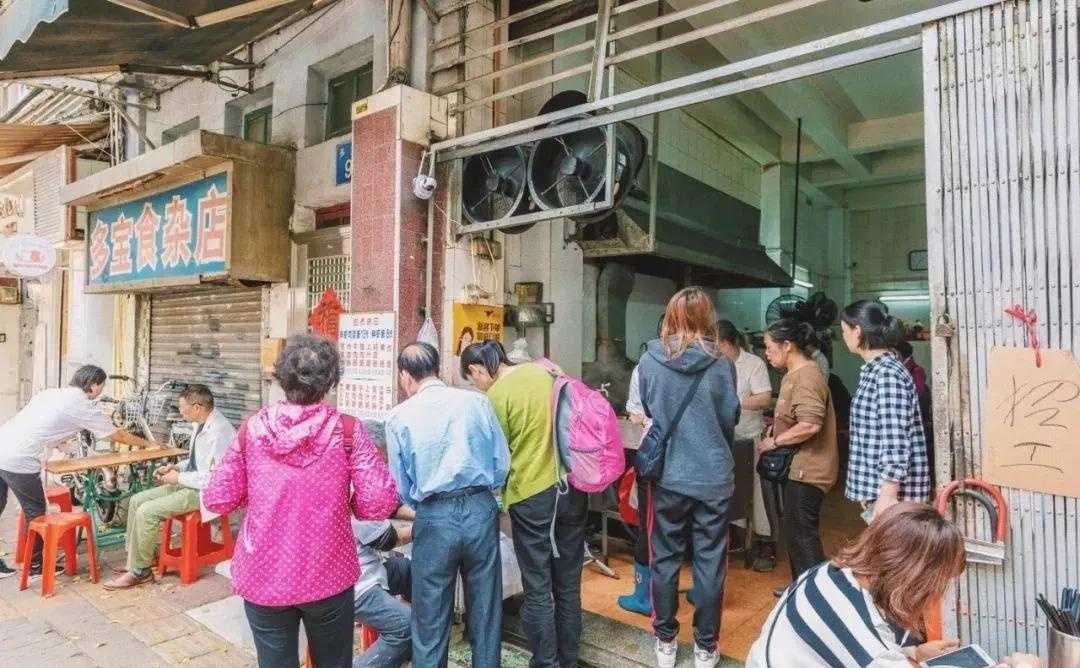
point(969, 656)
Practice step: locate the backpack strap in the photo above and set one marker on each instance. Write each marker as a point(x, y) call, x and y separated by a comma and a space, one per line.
point(348, 431)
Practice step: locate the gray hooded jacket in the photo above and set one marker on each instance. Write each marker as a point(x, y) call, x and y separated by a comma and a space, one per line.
point(699, 462)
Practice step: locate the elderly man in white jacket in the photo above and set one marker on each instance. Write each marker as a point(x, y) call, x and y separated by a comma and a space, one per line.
point(178, 485)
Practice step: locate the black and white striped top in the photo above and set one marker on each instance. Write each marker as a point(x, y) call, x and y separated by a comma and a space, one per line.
point(827, 620)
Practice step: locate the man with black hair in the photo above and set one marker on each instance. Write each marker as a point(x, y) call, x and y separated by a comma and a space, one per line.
point(178, 485)
point(50, 418)
point(384, 590)
point(449, 457)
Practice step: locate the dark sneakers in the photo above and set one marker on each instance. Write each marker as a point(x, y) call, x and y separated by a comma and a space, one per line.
point(35, 570)
point(765, 556)
point(6, 571)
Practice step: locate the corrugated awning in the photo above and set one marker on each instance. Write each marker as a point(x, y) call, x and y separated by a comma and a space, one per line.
point(19, 144)
point(54, 37)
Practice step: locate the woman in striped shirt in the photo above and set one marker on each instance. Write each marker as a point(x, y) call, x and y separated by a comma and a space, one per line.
point(865, 608)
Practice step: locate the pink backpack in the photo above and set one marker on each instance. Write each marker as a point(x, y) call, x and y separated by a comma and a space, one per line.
point(586, 432)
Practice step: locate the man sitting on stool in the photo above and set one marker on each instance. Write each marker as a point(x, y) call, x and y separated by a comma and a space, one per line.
point(381, 582)
point(178, 485)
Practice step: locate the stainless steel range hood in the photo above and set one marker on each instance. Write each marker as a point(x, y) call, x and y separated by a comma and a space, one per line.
point(701, 236)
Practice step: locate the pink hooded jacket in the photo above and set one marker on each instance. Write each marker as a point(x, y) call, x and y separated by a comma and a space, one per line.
point(298, 480)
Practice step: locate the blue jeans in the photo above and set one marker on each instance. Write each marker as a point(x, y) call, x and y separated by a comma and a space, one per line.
point(457, 533)
point(379, 609)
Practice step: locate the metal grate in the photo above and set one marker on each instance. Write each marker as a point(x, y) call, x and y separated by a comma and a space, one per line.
point(48, 212)
point(333, 271)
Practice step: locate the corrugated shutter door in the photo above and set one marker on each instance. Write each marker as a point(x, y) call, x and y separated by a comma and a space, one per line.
point(48, 213)
point(210, 337)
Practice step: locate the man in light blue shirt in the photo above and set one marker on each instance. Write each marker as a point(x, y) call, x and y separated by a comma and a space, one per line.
point(449, 457)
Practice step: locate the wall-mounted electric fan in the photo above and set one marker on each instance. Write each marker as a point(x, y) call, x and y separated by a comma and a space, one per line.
point(494, 186)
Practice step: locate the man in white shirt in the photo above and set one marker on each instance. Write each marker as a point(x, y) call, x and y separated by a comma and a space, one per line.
point(754, 389)
point(50, 418)
point(178, 485)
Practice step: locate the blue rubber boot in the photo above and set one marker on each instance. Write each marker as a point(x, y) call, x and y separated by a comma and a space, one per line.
point(639, 601)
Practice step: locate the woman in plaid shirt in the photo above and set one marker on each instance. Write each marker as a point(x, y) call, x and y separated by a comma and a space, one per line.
point(888, 461)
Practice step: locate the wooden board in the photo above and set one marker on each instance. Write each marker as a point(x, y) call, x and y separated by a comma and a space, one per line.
point(62, 466)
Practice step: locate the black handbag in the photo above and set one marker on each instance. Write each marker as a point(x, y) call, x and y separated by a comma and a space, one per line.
point(653, 450)
point(774, 465)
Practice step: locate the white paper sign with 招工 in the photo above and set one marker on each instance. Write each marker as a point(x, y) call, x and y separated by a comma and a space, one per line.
point(1032, 421)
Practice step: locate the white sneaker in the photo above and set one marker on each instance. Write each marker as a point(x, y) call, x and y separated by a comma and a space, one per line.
point(666, 653)
point(704, 658)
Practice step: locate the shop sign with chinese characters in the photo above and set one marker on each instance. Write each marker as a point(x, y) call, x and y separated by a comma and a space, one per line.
point(1031, 419)
point(163, 238)
point(367, 345)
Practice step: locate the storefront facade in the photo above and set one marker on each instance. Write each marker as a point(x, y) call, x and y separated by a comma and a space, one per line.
point(195, 235)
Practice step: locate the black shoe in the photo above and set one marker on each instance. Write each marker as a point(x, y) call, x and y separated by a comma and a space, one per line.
point(765, 559)
point(6, 571)
point(35, 570)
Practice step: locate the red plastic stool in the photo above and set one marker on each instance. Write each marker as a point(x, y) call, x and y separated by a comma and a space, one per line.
point(53, 528)
point(59, 496)
point(197, 548)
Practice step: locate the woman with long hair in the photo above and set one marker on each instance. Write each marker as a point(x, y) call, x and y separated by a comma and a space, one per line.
point(692, 499)
point(548, 519)
point(866, 607)
point(805, 420)
point(888, 461)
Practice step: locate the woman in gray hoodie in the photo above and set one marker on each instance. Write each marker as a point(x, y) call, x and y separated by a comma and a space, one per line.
point(692, 498)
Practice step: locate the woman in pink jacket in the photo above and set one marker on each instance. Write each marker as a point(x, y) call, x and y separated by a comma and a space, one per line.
point(299, 466)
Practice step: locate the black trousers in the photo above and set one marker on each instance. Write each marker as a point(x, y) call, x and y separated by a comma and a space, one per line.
point(802, 526)
point(551, 613)
point(31, 496)
point(641, 546)
point(676, 523)
point(328, 624)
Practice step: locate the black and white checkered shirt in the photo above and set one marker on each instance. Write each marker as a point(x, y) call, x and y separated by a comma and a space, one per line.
point(887, 439)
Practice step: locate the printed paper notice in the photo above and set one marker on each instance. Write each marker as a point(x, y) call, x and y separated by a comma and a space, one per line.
point(366, 342)
point(1032, 418)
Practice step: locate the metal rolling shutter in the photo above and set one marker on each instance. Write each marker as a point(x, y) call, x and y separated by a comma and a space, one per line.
point(209, 336)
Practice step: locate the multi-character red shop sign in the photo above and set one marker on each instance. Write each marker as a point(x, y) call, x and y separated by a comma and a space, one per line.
point(162, 239)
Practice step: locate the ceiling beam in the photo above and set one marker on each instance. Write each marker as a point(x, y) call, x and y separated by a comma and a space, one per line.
point(823, 122)
point(869, 136)
point(891, 167)
point(886, 197)
point(237, 11)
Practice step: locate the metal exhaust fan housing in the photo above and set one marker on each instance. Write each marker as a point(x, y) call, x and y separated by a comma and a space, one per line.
point(494, 186)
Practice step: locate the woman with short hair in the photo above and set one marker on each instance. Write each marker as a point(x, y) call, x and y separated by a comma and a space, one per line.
point(888, 460)
point(299, 466)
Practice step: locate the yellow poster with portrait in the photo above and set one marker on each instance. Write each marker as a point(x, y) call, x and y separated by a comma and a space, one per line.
point(474, 323)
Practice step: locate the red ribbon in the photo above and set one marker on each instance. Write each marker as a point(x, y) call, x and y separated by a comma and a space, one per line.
point(1031, 333)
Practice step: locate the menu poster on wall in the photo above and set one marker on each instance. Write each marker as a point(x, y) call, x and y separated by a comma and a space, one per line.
point(366, 342)
point(1031, 418)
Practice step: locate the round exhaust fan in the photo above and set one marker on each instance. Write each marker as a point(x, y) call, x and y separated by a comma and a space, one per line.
point(494, 186)
point(568, 170)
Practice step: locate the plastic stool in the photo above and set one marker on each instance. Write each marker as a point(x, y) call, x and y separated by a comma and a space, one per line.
point(53, 528)
point(59, 496)
point(197, 548)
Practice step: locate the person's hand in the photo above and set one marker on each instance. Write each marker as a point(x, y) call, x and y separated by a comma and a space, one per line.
point(929, 650)
point(637, 419)
point(766, 444)
point(404, 535)
point(170, 477)
point(1020, 661)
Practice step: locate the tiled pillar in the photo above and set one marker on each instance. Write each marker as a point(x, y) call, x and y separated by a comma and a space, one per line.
point(391, 129)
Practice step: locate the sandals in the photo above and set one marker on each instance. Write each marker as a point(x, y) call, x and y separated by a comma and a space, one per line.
point(128, 580)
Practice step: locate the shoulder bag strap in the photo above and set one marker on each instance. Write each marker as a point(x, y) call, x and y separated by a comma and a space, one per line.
point(682, 408)
point(348, 431)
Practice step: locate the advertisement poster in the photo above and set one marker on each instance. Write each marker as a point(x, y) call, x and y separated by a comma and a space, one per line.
point(476, 322)
point(177, 233)
point(366, 342)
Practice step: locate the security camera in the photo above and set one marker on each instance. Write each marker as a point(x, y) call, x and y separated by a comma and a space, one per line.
point(423, 186)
